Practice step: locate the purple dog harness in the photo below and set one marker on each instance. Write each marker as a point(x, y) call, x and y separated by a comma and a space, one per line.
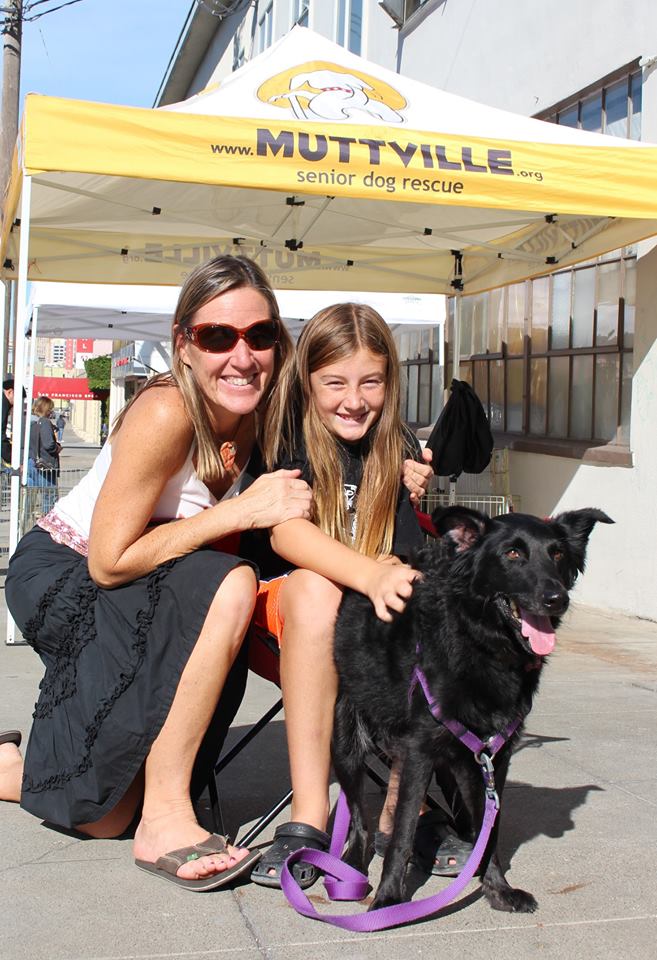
point(343, 882)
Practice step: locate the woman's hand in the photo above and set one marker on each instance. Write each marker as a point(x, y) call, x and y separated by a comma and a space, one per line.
point(389, 588)
point(416, 476)
point(274, 498)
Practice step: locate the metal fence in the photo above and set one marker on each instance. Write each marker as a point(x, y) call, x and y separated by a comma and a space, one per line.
point(33, 502)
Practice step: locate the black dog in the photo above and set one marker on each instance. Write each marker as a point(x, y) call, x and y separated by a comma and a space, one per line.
point(479, 625)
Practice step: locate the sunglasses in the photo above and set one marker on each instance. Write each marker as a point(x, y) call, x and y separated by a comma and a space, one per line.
point(221, 337)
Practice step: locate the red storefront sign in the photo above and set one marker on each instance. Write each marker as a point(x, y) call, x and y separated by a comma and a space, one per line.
point(64, 388)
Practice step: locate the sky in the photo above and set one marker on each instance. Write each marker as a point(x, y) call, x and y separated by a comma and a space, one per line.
point(115, 51)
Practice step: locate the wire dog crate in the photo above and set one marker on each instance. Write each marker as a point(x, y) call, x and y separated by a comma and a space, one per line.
point(489, 504)
point(488, 491)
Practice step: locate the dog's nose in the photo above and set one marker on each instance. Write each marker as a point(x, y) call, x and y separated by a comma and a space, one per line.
point(555, 599)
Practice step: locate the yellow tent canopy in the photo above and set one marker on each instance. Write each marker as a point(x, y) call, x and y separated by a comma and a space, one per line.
point(334, 172)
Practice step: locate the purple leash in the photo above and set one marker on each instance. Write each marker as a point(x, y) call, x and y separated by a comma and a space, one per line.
point(343, 882)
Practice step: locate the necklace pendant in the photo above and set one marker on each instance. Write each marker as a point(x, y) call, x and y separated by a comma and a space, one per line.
point(228, 452)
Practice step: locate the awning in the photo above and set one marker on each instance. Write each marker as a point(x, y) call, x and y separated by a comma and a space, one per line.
point(64, 388)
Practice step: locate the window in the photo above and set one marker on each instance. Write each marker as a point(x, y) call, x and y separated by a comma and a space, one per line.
point(349, 25)
point(300, 12)
point(239, 50)
point(421, 375)
point(551, 358)
point(265, 30)
point(612, 106)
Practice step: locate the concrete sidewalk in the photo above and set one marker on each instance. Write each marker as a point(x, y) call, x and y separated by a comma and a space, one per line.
point(579, 827)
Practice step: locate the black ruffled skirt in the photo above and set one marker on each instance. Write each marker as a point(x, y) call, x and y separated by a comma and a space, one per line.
point(113, 661)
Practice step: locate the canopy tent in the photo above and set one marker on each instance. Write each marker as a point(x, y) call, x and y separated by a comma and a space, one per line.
point(334, 172)
point(124, 312)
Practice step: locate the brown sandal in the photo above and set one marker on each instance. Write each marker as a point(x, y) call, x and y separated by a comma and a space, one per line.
point(11, 736)
point(167, 866)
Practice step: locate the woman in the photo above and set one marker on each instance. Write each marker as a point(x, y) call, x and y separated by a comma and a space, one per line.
point(43, 454)
point(139, 620)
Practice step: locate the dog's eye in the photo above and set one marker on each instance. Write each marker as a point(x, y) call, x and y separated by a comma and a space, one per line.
point(513, 554)
point(557, 556)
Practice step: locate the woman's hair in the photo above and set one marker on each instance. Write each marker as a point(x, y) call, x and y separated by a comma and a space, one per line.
point(333, 334)
point(206, 282)
point(43, 406)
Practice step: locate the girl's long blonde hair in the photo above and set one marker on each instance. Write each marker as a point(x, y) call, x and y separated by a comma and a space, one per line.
point(333, 334)
point(206, 282)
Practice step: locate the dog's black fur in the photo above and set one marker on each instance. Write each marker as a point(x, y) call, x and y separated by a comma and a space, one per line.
point(479, 666)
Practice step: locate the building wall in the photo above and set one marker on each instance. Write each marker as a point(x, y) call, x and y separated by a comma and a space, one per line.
point(85, 419)
point(522, 55)
point(525, 56)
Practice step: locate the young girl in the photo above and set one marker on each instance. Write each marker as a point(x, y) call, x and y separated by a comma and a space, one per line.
point(346, 436)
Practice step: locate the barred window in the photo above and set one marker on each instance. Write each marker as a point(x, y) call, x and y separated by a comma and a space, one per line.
point(349, 26)
point(239, 50)
point(264, 34)
point(551, 358)
point(421, 374)
point(611, 106)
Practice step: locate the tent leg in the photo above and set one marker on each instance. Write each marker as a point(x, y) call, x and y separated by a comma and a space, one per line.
point(19, 422)
point(456, 338)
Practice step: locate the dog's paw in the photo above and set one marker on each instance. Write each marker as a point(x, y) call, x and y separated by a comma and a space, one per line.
point(385, 900)
point(511, 900)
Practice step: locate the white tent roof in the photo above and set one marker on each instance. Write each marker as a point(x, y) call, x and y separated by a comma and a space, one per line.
point(144, 313)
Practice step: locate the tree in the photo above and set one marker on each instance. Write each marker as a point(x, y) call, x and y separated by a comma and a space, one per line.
point(98, 370)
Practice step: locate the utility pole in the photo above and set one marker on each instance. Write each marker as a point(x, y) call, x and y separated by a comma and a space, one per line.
point(14, 14)
point(12, 34)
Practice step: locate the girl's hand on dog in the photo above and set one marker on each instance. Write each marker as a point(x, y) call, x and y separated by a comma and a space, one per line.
point(276, 497)
point(390, 587)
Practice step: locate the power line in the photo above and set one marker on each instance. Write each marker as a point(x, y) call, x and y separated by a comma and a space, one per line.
point(24, 13)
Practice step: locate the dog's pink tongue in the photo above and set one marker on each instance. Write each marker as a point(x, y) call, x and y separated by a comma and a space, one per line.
point(538, 630)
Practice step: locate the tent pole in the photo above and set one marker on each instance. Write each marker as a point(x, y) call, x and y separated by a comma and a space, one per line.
point(30, 397)
point(20, 328)
point(457, 283)
point(456, 352)
point(457, 286)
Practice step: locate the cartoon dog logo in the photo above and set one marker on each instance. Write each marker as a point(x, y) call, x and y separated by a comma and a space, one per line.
point(326, 91)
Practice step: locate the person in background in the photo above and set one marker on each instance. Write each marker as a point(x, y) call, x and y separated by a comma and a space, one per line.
point(43, 454)
point(7, 404)
point(60, 423)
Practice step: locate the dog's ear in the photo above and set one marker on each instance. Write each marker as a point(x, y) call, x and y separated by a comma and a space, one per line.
point(578, 525)
point(461, 526)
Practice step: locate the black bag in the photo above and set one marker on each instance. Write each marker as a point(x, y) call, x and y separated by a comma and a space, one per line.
point(461, 440)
